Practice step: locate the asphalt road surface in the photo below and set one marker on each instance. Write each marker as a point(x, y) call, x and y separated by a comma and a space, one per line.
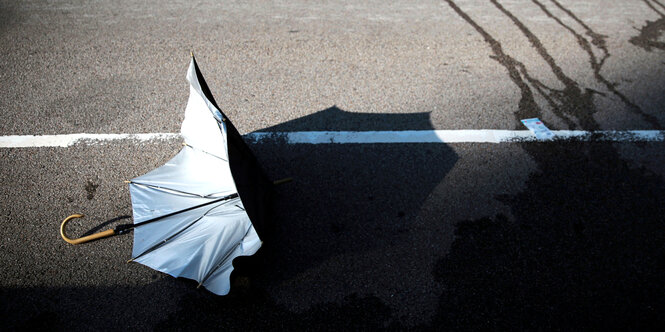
point(530, 236)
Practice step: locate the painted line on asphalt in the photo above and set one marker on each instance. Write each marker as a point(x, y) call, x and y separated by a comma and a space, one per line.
point(350, 137)
point(451, 136)
point(43, 141)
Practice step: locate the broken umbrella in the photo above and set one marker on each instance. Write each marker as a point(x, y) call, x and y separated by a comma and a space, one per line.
point(206, 206)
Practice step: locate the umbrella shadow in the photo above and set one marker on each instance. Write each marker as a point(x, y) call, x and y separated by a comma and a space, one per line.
point(347, 198)
point(336, 119)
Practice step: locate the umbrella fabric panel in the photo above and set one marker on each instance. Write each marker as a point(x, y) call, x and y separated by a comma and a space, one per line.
point(148, 235)
point(254, 187)
point(149, 202)
point(208, 245)
point(190, 253)
point(212, 242)
point(218, 282)
point(207, 205)
point(192, 171)
point(197, 81)
point(201, 127)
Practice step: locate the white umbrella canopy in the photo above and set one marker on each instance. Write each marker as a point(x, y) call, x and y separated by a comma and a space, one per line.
point(205, 206)
point(198, 243)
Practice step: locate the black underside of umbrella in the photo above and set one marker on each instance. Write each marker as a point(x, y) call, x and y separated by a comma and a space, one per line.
point(254, 187)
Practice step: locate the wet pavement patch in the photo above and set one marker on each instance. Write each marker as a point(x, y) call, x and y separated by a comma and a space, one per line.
point(91, 188)
point(585, 249)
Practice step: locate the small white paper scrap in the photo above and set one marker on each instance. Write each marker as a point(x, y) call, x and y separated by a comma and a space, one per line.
point(538, 128)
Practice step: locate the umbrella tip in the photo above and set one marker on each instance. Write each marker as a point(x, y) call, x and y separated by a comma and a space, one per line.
point(199, 286)
point(127, 181)
point(282, 181)
point(191, 53)
point(131, 260)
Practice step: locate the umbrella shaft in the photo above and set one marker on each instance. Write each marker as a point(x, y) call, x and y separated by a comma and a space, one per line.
point(121, 229)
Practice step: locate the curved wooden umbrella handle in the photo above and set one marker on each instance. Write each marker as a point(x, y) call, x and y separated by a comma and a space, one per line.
point(83, 239)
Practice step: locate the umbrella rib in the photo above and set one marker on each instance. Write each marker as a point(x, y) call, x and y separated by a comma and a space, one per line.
point(224, 258)
point(206, 152)
point(170, 189)
point(165, 188)
point(231, 196)
point(156, 246)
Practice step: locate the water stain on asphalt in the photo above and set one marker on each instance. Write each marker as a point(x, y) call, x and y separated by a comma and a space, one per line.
point(91, 189)
point(596, 63)
point(650, 34)
point(573, 104)
point(585, 249)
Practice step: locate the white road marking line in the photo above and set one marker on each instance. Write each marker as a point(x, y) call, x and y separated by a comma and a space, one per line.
point(351, 137)
point(39, 141)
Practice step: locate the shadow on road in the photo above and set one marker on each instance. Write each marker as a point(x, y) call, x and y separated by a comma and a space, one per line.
point(582, 248)
point(347, 198)
point(144, 308)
